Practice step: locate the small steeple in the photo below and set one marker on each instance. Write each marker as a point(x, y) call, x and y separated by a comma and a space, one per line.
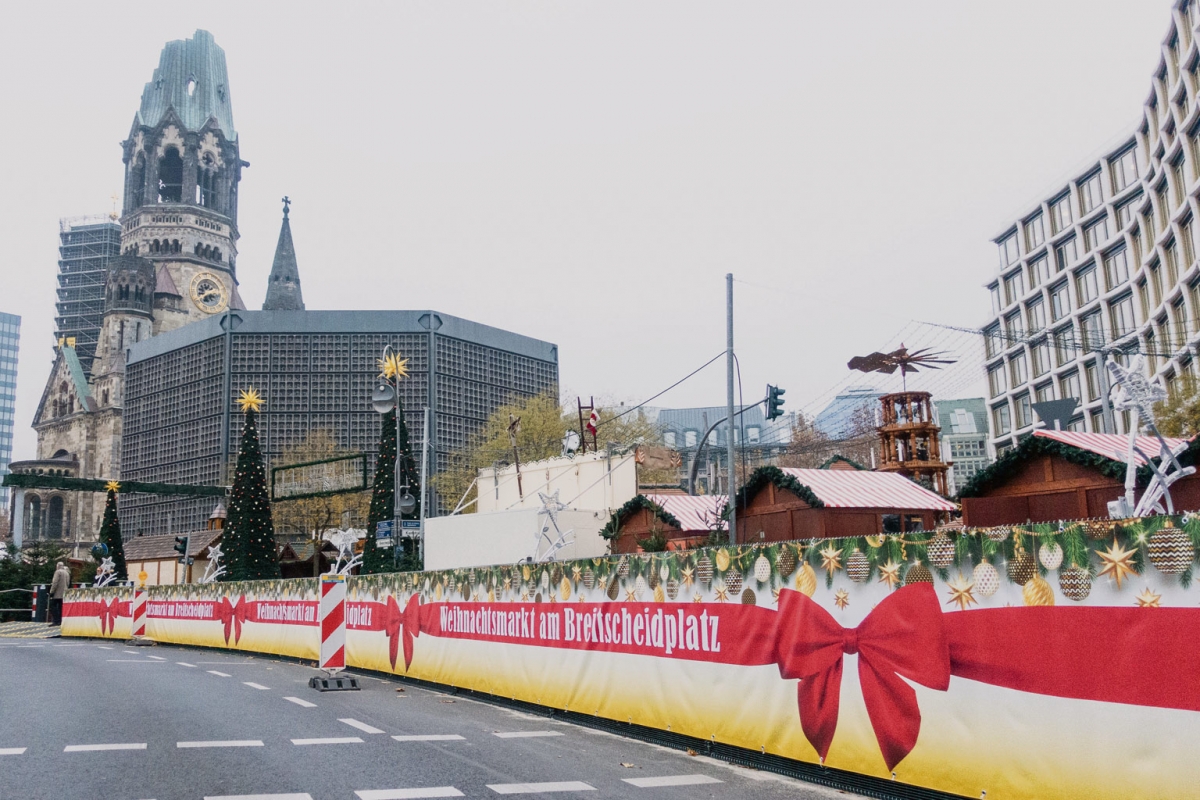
point(283, 287)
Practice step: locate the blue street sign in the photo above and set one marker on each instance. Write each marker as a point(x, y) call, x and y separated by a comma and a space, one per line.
point(383, 529)
point(410, 524)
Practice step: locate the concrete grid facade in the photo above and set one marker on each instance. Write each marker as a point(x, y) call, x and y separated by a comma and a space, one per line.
point(1105, 263)
point(10, 341)
point(316, 370)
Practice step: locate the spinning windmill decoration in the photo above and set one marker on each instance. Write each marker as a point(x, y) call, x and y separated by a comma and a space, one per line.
point(902, 360)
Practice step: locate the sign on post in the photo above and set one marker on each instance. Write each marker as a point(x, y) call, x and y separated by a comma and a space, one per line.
point(323, 478)
point(410, 528)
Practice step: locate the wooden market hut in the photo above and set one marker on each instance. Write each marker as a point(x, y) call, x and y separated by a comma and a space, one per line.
point(1056, 475)
point(780, 504)
point(685, 520)
point(157, 556)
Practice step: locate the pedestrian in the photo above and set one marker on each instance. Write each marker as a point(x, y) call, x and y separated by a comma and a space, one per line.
point(58, 590)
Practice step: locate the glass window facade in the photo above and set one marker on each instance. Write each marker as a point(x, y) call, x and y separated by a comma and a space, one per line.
point(10, 340)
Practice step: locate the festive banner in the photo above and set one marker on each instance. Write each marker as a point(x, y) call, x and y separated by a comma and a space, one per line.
point(1052, 661)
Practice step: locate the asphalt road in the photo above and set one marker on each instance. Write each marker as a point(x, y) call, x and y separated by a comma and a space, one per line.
point(103, 721)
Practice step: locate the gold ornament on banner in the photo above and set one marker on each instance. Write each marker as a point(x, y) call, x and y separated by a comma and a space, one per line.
point(841, 598)
point(1075, 582)
point(987, 580)
point(1037, 592)
point(1020, 567)
point(961, 592)
point(918, 573)
point(858, 568)
point(889, 573)
point(748, 598)
point(941, 550)
point(831, 559)
point(1097, 529)
point(1051, 555)
point(659, 595)
point(250, 400)
point(996, 534)
point(1171, 550)
point(672, 588)
point(1118, 563)
point(564, 589)
point(786, 562)
point(733, 580)
point(722, 593)
point(806, 580)
point(762, 569)
point(723, 560)
point(1148, 599)
point(687, 575)
point(704, 570)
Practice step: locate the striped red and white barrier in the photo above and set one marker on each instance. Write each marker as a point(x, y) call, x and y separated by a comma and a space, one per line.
point(333, 622)
point(139, 612)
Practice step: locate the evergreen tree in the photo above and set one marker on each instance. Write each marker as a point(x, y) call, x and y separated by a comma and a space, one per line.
point(249, 535)
point(383, 498)
point(110, 535)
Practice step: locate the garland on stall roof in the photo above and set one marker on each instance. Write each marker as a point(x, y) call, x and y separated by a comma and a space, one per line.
point(638, 503)
point(764, 475)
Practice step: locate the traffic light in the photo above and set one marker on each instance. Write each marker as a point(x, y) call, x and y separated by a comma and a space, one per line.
point(774, 402)
point(181, 547)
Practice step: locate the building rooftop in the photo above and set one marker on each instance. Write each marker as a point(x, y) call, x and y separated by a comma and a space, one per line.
point(191, 79)
point(840, 488)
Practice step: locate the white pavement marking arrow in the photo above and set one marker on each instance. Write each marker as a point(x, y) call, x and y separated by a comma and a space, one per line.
point(538, 788)
point(432, 737)
point(671, 780)
point(362, 726)
point(409, 794)
point(300, 702)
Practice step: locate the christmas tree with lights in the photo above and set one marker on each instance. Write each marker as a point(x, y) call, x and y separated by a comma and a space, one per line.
point(110, 533)
point(249, 536)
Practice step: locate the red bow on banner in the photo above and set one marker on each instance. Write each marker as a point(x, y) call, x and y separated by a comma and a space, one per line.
point(109, 610)
point(409, 620)
point(902, 637)
point(232, 615)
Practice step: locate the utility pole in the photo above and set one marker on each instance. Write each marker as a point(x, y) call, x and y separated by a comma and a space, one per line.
point(514, 427)
point(732, 456)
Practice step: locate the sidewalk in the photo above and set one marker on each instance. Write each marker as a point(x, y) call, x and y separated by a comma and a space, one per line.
point(28, 630)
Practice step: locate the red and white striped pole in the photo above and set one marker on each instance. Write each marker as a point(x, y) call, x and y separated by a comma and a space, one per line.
point(333, 623)
point(139, 612)
point(33, 614)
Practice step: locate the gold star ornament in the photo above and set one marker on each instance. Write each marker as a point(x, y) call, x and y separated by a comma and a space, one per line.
point(1118, 563)
point(393, 366)
point(889, 573)
point(841, 598)
point(1148, 599)
point(688, 576)
point(250, 400)
point(831, 559)
point(962, 592)
point(112, 486)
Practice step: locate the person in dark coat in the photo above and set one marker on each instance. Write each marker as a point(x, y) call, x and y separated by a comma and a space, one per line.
point(58, 590)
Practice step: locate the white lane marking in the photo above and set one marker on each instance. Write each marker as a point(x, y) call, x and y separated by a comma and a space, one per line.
point(431, 737)
point(300, 702)
point(229, 663)
point(132, 660)
point(87, 748)
point(218, 743)
point(671, 780)
point(185, 664)
point(19, 646)
point(11, 751)
point(524, 735)
point(69, 645)
point(253, 685)
point(160, 658)
point(409, 794)
point(259, 797)
point(330, 740)
point(104, 647)
point(362, 726)
point(219, 674)
point(538, 788)
point(131, 652)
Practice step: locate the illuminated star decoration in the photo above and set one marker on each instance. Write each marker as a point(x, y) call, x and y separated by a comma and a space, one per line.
point(112, 486)
point(1117, 562)
point(841, 598)
point(831, 559)
point(393, 366)
point(250, 400)
point(961, 592)
point(889, 573)
point(1148, 599)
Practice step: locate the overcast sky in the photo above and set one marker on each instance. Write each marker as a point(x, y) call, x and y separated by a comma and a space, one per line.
point(586, 173)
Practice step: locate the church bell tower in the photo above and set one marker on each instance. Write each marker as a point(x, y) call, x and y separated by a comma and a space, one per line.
point(182, 168)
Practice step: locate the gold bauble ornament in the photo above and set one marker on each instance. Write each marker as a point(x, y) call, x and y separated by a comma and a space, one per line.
point(639, 586)
point(704, 570)
point(614, 588)
point(1171, 550)
point(748, 598)
point(564, 589)
point(941, 550)
point(786, 562)
point(858, 568)
point(996, 534)
point(1037, 592)
point(1075, 582)
point(1021, 568)
point(918, 573)
point(672, 588)
point(589, 578)
point(623, 567)
point(659, 595)
point(806, 580)
point(723, 560)
point(1097, 529)
point(652, 577)
point(733, 581)
point(1051, 555)
point(987, 580)
point(762, 569)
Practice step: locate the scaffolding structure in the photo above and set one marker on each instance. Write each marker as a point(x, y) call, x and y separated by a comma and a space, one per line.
point(86, 245)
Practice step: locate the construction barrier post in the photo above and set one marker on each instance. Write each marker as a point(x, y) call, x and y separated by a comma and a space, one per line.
point(333, 623)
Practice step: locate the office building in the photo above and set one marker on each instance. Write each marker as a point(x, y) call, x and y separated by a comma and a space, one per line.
point(10, 342)
point(964, 438)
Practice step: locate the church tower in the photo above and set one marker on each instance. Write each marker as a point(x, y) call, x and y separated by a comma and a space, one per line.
point(182, 168)
point(283, 287)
